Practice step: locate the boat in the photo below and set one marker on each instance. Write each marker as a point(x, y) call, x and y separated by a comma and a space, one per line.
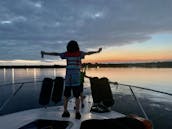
point(50, 117)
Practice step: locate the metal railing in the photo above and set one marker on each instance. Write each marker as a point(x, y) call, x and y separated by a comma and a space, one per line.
point(21, 84)
point(135, 97)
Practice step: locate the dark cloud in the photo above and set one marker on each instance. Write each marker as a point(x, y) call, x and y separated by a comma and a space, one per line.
point(28, 26)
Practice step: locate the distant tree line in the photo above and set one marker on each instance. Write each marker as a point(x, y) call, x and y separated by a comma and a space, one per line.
point(149, 65)
point(95, 65)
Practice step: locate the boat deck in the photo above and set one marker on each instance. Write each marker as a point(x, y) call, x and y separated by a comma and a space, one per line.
point(19, 119)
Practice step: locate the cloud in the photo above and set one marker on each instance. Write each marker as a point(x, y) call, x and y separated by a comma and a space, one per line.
point(28, 26)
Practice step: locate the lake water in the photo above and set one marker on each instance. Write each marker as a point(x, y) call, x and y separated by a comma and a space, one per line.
point(154, 78)
point(157, 105)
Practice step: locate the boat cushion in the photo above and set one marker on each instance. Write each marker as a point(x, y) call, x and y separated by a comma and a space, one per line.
point(118, 123)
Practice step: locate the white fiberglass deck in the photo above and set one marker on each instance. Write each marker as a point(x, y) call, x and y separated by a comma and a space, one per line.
point(19, 119)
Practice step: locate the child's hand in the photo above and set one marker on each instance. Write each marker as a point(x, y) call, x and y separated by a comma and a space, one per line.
point(42, 54)
point(100, 49)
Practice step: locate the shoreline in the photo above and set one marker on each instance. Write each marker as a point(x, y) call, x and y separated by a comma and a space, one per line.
point(97, 65)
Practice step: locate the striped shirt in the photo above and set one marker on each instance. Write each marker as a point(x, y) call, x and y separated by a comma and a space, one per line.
point(72, 77)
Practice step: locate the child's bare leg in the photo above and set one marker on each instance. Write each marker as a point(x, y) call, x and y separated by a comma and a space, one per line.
point(82, 100)
point(65, 103)
point(77, 102)
point(65, 113)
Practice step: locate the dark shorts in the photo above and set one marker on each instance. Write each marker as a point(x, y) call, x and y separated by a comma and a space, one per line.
point(75, 89)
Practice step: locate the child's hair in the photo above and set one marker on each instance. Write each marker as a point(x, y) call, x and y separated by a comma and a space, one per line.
point(72, 46)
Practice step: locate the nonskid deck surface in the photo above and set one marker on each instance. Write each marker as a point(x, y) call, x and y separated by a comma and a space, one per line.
point(19, 119)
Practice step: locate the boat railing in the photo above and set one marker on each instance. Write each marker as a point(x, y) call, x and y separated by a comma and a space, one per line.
point(135, 97)
point(21, 85)
point(133, 86)
point(11, 96)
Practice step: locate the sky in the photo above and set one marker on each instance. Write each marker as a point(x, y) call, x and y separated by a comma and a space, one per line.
point(127, 30)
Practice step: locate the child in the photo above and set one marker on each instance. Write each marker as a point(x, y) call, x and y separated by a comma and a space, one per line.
point(82, 75)
point(73, 55)
point(82, 86)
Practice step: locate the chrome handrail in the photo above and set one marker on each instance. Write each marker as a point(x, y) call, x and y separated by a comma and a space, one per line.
point(10, 97)
point(133, 94)
point(17, 83)
point(162, 92)
point(114, 83)
point(135, 97)
point(138, 103)
point(16, 91)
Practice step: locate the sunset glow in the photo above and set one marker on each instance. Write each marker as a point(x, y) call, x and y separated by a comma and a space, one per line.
point(145, 52)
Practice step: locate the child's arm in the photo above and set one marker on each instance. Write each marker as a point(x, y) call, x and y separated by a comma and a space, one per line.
point(49, 53)
point(93, 52)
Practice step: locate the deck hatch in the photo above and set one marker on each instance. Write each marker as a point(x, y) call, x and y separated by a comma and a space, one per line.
point(47, 124)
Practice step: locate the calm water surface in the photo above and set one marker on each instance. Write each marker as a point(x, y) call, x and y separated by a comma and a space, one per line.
point(155, 78)
point(158, 106)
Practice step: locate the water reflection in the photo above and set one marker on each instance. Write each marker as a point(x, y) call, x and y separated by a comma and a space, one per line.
point(4, 74)
point(34, 74)
point(54, 72)
point(13, 80)
point(13, 76)
point(28, 74)
point(155, 78)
